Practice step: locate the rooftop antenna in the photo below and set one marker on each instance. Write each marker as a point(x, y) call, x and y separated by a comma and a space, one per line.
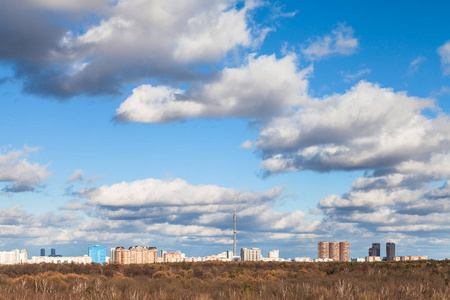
point(234, 219)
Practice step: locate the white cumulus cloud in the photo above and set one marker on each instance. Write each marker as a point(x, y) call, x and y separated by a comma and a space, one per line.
point(368, 127)
point(444, 52)
point(19, 174)
point(77, 175)
point(340, 41)
point(264, 86)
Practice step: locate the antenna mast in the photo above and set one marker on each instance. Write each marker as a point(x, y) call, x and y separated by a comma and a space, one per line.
point(234, 219)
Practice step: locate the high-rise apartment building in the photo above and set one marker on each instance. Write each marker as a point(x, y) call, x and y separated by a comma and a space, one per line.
point(344, 251)
point(252, 254)
point(15, 256)
point(112, 252)
point(377, 249)
point(338, 251)
point(333, 251)
point(274, 254)
point(42, 252)
point(136, 255)
point(323, 250)
point(97, 253)
point(53, 252)
point(390, 251)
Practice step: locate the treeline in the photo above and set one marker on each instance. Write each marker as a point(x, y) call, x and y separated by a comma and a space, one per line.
point(220, 280)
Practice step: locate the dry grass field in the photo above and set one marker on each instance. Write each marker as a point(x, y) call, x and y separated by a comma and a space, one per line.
point(216, 280)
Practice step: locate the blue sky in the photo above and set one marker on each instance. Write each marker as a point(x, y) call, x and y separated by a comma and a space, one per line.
point(136, 122)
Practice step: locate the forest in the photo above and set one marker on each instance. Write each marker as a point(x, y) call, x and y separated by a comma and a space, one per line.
point(228, 280)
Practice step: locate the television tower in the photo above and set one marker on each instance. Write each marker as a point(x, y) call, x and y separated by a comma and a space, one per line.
point(234, 219)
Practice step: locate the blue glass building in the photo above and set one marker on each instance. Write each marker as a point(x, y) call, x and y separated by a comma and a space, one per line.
point(98, 254)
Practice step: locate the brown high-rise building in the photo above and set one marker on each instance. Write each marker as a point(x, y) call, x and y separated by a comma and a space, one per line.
point(344, 251)
point(334, 251)
point(135, 255)
point(390, 251)
point(323, 250)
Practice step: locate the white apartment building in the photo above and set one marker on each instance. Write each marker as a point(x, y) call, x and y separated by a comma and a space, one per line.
point(323, 259)
point(252, 254)
point(85, 259)
point(274, 254)
point(357, 259)
point(302, 259)
point(15, 256)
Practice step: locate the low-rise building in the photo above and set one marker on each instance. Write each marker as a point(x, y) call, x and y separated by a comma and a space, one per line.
point(357, 259)
point(173, 257)
point(410, 258)
point(373, 258)
point(323, 260)
point(85, 259)
point(302, 259)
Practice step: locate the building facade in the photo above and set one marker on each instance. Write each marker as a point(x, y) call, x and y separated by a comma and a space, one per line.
point(98, 254)
point(252, 254)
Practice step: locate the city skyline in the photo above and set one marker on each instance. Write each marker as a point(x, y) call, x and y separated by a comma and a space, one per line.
point(149, 122)
point(326, 252)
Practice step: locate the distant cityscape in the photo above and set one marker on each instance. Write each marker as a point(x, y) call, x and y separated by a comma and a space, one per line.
point(326, 252)
point(339, 251)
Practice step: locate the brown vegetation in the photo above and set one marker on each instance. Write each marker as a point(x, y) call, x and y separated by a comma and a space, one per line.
point(216, 280)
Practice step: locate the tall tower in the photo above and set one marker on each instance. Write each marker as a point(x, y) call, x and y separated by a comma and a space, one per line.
point(323, 250)
point(377, 249)
point(390, 251)
point(333, 248)
point(234, 219)
point(344, 251)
